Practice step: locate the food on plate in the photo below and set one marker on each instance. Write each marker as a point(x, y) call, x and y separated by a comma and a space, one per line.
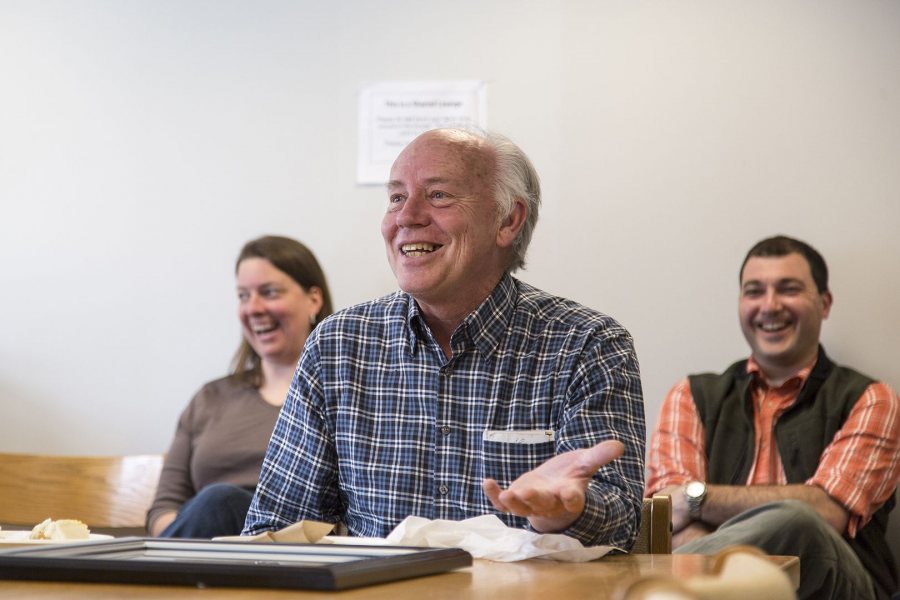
point(62, 529)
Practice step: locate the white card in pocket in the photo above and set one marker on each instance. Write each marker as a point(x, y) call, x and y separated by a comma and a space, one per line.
point(520, 436)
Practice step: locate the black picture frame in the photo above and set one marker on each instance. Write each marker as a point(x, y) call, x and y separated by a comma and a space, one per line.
point(205, 563)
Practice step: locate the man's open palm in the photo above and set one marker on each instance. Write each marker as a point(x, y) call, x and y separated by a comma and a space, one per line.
point(552, 496)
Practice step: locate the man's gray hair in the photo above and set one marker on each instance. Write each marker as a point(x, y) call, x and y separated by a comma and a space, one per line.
point(515, 178)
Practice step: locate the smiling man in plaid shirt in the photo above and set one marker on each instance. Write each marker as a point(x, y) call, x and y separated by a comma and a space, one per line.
point(468, 392)
point(786, 451)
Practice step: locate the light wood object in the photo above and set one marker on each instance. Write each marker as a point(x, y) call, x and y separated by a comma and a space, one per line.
point(108, 493)
point(484, 580)
point(655, 534)
point(737, 573)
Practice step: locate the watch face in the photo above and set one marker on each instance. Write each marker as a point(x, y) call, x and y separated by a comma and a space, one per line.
point(694, 489)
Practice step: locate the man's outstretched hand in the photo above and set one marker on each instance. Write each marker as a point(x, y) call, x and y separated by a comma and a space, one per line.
point(552, 495)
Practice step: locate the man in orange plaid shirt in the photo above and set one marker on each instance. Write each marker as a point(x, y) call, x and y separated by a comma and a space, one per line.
point(786, 450)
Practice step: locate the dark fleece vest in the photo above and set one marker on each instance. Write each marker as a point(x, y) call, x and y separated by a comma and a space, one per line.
point(802, 433)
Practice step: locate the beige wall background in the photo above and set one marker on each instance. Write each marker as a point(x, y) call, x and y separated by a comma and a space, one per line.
point(142, 142)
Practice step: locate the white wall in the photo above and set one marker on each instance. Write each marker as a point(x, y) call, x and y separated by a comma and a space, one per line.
point(142, 142)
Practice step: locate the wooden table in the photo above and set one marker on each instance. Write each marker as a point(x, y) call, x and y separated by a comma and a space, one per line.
point(487, 580)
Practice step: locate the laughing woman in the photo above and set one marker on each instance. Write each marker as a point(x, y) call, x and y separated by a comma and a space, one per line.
point(213, 464)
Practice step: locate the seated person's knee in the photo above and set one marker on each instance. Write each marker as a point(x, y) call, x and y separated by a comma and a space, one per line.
point(793, 516)
point(220, 492)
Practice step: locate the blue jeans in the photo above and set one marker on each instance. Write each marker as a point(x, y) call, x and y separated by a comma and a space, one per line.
point(828, 566)
point(218, 509)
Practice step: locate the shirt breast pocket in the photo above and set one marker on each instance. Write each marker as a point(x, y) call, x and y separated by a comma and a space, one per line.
point(514, 455)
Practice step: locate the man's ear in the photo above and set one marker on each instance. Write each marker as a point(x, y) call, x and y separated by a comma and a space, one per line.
point(827, 301)
point(512, 224)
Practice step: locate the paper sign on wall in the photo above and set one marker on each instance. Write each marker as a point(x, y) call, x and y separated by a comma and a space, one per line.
point(392, 113)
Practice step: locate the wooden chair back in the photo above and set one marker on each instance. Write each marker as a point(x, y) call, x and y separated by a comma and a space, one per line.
point(655, 535)
point(108, 493)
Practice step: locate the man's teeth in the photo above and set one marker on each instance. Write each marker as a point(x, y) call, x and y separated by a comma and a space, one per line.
point(773, 326)
point(418, 249)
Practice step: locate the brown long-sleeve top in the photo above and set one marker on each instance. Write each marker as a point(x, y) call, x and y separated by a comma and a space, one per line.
point(221, 437)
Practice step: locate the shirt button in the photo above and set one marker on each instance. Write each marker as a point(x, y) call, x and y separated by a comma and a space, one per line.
point(443, 490)
point(445, 430)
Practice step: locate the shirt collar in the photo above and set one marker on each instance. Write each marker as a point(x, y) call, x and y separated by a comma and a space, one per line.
point(485, 327)
point(414, 323)
point(799, 378)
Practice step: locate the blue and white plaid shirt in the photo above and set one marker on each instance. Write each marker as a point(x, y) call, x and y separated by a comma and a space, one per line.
point(379, 425)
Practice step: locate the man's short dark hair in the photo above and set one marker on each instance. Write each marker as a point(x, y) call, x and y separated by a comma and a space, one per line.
point(782, 245)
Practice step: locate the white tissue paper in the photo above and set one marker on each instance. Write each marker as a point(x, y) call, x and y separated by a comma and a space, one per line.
point(487, 537)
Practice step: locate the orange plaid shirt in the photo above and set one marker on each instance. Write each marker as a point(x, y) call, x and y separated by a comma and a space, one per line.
point(859, 468)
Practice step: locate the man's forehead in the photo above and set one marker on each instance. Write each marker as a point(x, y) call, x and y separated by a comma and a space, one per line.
point(427, 181)
point(442, 144)
point(437, 157)
point(793, 266)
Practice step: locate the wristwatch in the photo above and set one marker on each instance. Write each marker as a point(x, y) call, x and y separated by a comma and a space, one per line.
point(694, 494)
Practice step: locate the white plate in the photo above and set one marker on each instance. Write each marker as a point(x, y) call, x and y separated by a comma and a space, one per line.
point(20, 538)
